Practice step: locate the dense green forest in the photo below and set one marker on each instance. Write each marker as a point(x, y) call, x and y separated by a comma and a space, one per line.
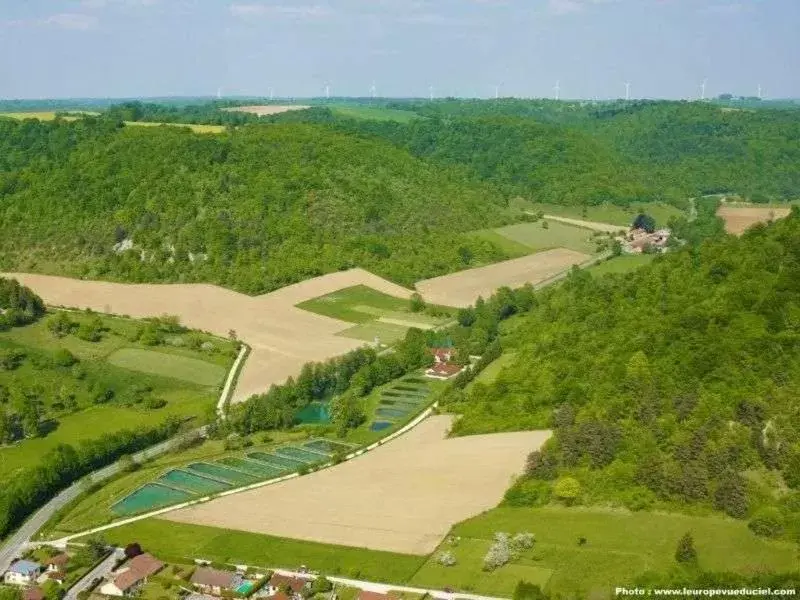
point(254, 209)
point(623, 153)
point(676, 385)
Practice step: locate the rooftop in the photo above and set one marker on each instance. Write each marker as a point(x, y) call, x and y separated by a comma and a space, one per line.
point(25, 567)
point(205, 576)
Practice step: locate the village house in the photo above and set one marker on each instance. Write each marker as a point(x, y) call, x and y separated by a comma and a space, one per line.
point(215, 581)
point(442, 367)
point(56, 568)
point(638, 241)
point(23, 572)
point(278, 584)
point(132, 576)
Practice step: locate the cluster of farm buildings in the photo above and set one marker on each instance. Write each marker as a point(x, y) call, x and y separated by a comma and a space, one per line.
point(201, 581)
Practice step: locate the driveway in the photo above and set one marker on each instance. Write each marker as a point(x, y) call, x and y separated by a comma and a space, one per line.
point(99, 572)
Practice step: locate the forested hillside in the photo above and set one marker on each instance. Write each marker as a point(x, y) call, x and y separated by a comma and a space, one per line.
point(254, 209)
point(585, 153)
point(677, 385)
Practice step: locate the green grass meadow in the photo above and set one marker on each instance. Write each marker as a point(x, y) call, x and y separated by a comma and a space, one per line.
point(374, 113)
point(535, 238)
point(168, 365)
point(620, 545)
point(621, 264)
point(373, 313)
point(111, 387)
point(608, 213)
point(178, 542)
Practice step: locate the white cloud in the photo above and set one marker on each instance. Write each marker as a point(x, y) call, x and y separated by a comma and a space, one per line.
point(96, 4)
point(263, 10)
point(73, 21)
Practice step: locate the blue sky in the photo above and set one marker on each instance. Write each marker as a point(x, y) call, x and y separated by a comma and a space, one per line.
point(664, 48)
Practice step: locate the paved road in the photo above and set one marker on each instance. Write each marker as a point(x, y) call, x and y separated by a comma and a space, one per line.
point(100, 571)
point(383, 588)
point(13, 546)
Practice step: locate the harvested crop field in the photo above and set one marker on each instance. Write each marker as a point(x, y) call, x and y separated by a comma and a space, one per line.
point(404, 496)
point(282, 337)
point(266, 109)
point(739, 218)
point(463, 288)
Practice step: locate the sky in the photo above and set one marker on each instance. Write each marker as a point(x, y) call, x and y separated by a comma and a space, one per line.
point(467, 48)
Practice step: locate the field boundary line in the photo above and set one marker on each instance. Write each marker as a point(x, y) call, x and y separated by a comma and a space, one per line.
point(62, 542)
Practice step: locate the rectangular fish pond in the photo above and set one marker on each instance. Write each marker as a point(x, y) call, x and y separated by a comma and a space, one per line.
point(149, 497)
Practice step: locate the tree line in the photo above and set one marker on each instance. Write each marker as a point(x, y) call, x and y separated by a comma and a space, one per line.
point(65, 464)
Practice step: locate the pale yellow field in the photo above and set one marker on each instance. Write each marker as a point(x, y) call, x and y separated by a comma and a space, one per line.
point(463, 288)
point(404, 496)
point(283, 338)
point(50, 115)
point(739, 218)
point(266, 109)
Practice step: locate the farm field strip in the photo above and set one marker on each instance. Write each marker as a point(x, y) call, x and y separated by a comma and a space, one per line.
point(462, 289)
point(410, 489)
point(183, 368)
point(268, 323)
point(740, 217)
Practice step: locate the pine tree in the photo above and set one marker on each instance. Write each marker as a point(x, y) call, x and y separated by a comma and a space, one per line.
point(685, 552)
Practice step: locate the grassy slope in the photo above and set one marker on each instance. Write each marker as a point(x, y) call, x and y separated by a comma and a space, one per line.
point(184, 399)
point(176, 367)
point(621, 264)
point(536, 238)
point(608, 213)
point(620, 545)
point(195, 541)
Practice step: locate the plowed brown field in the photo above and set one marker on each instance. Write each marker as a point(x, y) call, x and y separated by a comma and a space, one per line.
point(404, 496)
point(463, 288)
point(282, 337)
point(739, 218)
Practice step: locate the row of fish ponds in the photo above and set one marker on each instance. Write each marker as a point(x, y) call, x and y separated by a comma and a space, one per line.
point(199, 479)
point(401, 400)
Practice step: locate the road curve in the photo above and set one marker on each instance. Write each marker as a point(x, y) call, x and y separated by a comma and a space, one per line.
point(14, 545)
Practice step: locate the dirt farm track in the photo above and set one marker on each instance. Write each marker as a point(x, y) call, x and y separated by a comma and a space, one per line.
point(404, 496)
point(283, 338)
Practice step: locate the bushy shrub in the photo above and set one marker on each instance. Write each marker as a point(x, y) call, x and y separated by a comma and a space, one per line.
point(446, 559)
point(64, 358)
point(499, 552)
point(767, 522)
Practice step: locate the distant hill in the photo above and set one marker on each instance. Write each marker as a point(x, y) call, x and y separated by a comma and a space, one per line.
point(254, 209)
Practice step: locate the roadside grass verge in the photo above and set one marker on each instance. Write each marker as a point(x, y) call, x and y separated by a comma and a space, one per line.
point(620, 545)
point(180, 542)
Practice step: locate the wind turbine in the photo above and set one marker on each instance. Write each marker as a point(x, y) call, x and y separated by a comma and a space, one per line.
point(557, 89)
point(703, 89)
point(496, 92)
point(430, 91)
point(627, 91)
point(759, 91)
point(219, 93)
point(328, 92)
point(373, 91)
point(271, 94)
